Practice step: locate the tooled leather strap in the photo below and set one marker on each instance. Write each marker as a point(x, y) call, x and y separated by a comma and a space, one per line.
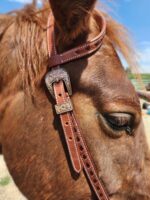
point(87, 162)
point(78, 52)
point(67, 127)
point(74, 139)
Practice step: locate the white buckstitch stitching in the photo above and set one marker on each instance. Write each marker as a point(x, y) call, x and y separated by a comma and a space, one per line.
point(89, 159)
point(72, 135)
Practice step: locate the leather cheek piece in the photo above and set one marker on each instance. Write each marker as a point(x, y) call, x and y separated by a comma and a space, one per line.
point(78, 151)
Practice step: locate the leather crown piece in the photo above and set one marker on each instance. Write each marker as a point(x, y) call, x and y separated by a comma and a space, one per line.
point(59, 85)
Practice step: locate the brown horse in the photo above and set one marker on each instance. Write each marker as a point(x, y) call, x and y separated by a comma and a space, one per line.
point(30, 133)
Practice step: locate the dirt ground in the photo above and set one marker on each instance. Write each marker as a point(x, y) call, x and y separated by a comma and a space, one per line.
point(8, 190)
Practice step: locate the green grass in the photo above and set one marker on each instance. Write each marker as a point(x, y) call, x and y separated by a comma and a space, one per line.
point(136, 83)
point(4, 181)
point(144, 76)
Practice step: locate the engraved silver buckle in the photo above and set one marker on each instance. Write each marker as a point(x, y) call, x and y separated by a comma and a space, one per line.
point(56, 75)
point(64, 107)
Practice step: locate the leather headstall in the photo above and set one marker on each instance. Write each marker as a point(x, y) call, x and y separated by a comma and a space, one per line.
point(59, 85)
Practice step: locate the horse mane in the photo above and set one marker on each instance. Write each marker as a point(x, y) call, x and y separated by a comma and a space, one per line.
point(30, 23)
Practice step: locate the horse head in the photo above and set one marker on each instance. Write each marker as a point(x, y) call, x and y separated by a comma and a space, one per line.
point(106, 105)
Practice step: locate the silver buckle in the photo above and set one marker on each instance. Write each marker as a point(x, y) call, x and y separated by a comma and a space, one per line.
point(64, 107)
point(56, 75)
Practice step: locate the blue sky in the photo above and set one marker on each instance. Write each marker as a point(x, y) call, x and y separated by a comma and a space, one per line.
point(134, 14)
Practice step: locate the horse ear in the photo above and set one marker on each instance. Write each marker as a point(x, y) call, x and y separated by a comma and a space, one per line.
point(72, 16)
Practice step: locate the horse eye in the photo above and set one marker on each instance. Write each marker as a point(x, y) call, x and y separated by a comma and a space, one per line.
point(120, 121)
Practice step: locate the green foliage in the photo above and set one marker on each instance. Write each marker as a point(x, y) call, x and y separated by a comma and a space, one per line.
point(144, 76)
point(4, 181)
point(136, 83)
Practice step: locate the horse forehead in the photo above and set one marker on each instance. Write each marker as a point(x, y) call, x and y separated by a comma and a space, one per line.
point(110, 80)
point(109, 87)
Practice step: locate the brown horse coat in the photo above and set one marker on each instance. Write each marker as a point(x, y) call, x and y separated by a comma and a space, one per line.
point(30, 133)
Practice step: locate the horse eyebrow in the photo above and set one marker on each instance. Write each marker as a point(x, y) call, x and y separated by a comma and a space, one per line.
point(134, 102)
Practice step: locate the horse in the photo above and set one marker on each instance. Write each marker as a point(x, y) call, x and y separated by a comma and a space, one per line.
point(106, 105)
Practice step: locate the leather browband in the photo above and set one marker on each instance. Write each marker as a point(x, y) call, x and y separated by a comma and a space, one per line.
point(77, 52)
point(58, 83)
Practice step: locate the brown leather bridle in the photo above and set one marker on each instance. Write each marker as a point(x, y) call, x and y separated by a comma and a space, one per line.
point(58, 83)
